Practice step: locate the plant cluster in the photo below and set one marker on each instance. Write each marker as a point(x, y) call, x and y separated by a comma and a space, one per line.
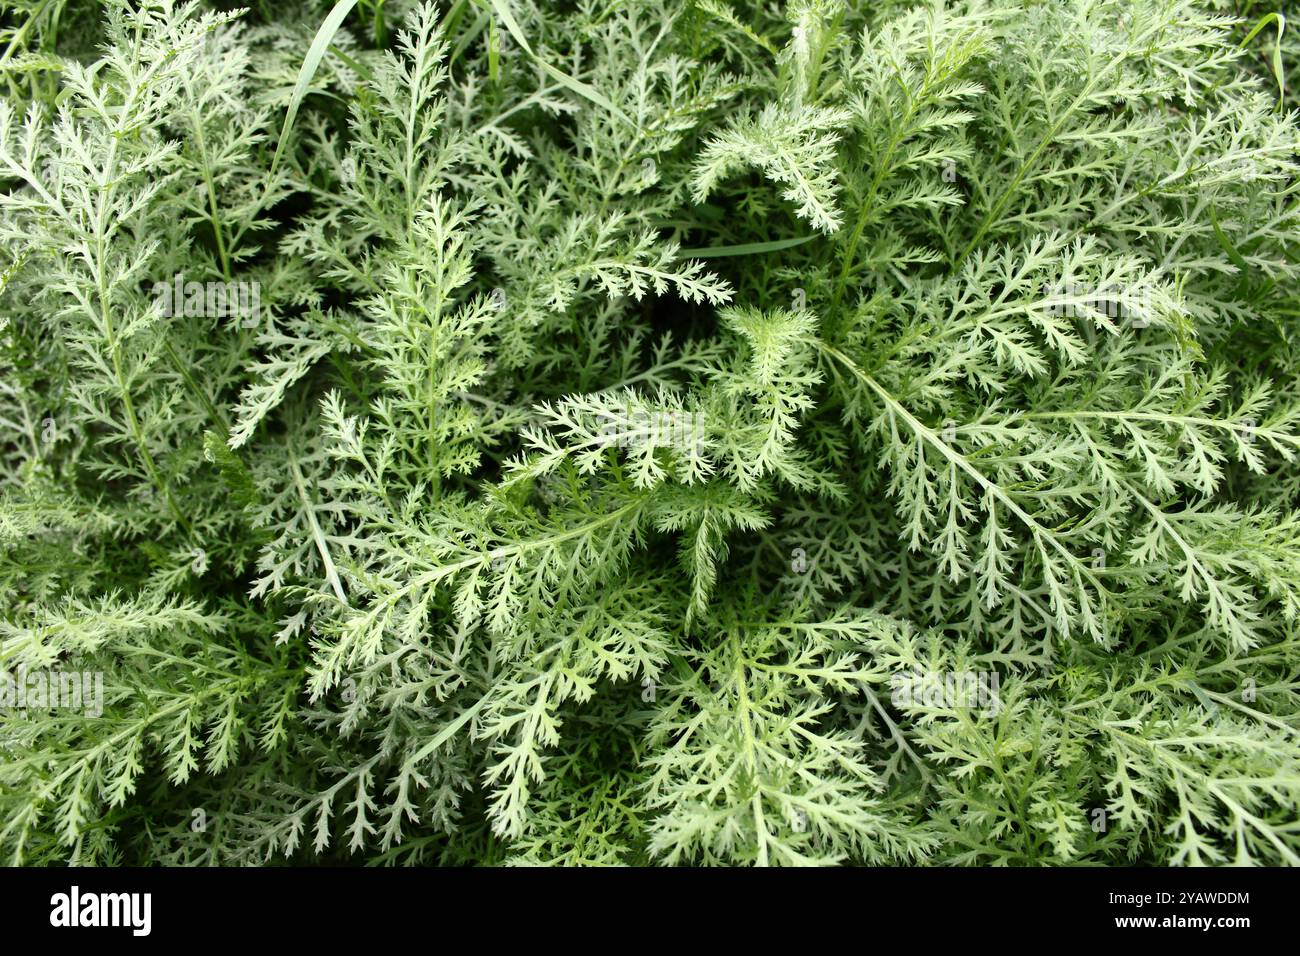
point(647, 422)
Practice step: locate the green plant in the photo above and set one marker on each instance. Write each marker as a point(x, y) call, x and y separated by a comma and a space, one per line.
point(631, 433)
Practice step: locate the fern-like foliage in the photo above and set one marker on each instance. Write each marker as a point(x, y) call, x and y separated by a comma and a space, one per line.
point(691, 432)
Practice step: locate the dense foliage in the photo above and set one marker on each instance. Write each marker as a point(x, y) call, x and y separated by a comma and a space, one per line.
point(596, 432)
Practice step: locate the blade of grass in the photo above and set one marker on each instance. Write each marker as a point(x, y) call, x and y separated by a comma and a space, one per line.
point(353, 64)
point(1278, 72)
point(747, 249)
point(469, 36)
point(1226, 244)
point(582, 89)
point(315, 54)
